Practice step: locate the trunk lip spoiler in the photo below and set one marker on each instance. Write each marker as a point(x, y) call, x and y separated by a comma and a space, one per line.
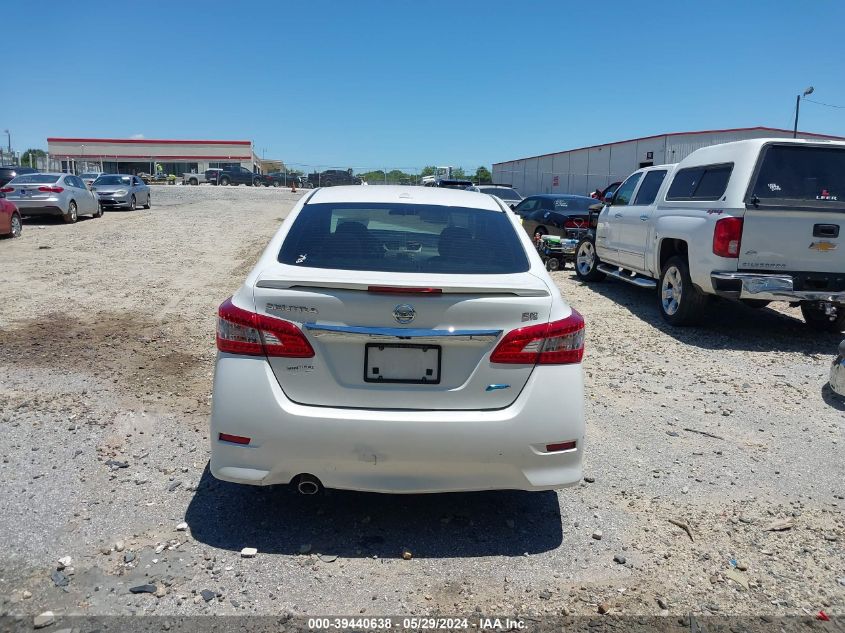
point(395, 332)
point(280, 284)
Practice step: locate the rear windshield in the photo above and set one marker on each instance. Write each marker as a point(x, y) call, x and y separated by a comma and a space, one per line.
point(789, 172)
point(501, 192)
point(34, 179)
point(92, 175)
point(573, 204)
point(113, 180)
point(404, 238)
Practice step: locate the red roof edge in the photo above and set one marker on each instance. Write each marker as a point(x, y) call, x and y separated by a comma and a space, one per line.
point(760, 128)
point(153, 141)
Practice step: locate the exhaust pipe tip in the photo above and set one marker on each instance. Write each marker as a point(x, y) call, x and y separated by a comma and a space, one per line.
point(308, 484)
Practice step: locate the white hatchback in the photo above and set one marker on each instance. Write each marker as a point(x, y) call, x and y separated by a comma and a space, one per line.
point(399, 339)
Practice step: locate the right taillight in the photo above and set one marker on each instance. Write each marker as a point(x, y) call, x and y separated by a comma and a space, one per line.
point(727, 237)
point(556, 343)
point(240, 331)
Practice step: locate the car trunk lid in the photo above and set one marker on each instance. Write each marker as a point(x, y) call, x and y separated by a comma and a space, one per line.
point(384, 342)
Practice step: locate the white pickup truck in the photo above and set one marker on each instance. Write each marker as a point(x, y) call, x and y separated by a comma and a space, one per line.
point(756, 221)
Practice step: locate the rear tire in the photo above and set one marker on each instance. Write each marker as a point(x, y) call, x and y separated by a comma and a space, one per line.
point(816, 318)
point(552, 264)
point(149, 202)
point(72, 214)
point(224, 182)
point(194, 181)
point(680, 302)
point(17, 226)
point(276, 183)
point(587, 261)
point(99, 212)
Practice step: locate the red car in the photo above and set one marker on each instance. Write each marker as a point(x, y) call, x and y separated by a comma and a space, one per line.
point(10, 219)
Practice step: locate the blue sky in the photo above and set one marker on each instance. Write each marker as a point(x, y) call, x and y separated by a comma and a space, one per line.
point(401, 84)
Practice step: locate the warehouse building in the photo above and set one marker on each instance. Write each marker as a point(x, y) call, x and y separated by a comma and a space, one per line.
point(582, 171)
point(132, 156)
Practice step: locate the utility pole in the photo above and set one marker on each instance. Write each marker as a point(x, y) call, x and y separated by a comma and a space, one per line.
point(808, 91)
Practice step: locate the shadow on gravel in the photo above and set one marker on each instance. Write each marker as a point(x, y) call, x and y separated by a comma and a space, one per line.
point(728, 324)
point(277, 520)
point(832, 399)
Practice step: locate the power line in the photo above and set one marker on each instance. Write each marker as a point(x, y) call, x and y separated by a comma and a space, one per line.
point(829, 105)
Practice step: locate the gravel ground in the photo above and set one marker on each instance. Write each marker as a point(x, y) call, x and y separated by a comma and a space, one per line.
point(106, 355)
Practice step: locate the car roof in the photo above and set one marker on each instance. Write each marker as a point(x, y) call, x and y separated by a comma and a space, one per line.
point(399, 194)
point(561, 196)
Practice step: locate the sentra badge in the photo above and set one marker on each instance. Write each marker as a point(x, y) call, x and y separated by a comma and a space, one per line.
point(281, 307)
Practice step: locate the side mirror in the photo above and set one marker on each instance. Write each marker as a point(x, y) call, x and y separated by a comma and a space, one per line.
point(608, 199)
point(512, 206)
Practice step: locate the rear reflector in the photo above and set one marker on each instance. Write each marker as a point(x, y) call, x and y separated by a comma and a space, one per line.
point(234, 439)
point(556, 343)
point(394, 290)
point(561, 446)
point(240, 331)
point(51, 189)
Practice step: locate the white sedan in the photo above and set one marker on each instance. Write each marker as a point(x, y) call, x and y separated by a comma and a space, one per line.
point(399, 339)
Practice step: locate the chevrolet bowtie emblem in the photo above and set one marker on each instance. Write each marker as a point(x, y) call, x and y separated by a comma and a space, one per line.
point(823, 247)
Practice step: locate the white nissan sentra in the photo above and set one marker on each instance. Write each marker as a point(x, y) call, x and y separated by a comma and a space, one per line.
point(399, 339)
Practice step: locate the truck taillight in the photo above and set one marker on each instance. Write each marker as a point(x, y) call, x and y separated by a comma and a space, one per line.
point(240, 331)
point(727, 237)
point(556, 343)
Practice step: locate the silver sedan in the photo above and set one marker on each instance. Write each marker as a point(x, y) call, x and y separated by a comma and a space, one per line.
point(122, 190)
point(52, 194)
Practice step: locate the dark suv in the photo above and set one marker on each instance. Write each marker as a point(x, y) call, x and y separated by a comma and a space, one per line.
point(7, 172)
point(235, 175)
point(332, 177)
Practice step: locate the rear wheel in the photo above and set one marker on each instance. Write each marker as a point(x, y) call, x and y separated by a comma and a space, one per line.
point(194, 181)
point(99, 212)
point(256, 182)
point(552, 264)
point(149, 201)
point(818, 318)
point(224, 182)
point(680, 302)
point(587, 261)
point(72, 214)
point(276, 183)
point(17, 226)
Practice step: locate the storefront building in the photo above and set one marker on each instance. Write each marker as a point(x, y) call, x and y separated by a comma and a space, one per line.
point(133, 156)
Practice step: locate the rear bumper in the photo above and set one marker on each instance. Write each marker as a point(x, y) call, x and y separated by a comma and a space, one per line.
point(37, 207)
point(391, 450)
point(774, 287)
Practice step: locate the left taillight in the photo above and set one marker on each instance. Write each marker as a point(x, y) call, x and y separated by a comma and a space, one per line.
point(243, 332)
point(7, 189)
point(556, 343)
